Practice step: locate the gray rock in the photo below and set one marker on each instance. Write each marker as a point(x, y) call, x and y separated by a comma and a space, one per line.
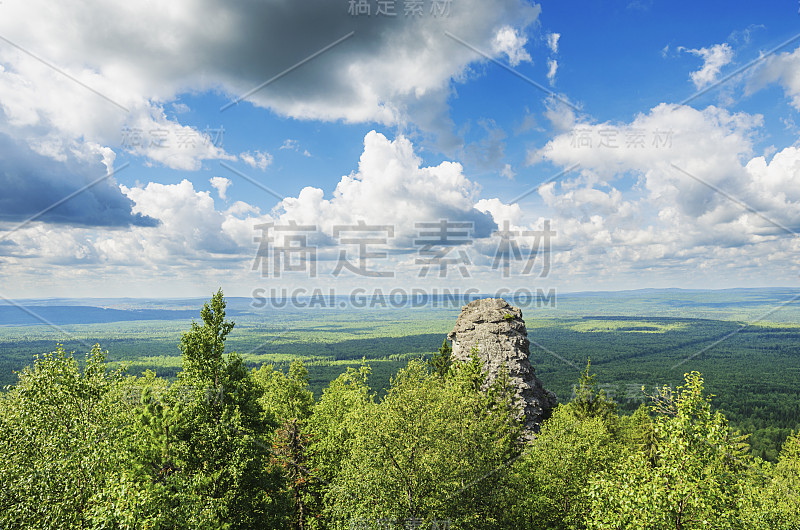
point(497, 328)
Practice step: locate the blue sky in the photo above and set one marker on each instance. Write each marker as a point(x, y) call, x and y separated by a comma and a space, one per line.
point(126, 173)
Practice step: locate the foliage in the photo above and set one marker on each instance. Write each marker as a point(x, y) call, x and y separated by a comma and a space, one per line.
point(634, 339)
point(427, 452)
point(285, 397)
point(773, 499)
point(440, 361)
point(221, 445)
point(696, 479)
point(287, 400)
point(786, 482)
point(557, 467)
point(591, 402)
point(221, 433)
point(59, 434)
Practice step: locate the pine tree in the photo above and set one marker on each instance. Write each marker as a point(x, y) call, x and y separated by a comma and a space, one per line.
point(440, 362)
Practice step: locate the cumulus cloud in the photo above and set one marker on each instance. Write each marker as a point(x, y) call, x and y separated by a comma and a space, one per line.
point(511, 42)
point(68, 189)
point(257, 159)
point(152, 135)
point(500, 211)
point(391, 187)
point(782, 68)
point(388, 70)
point(775, 189)
point(190, 221)
point(39, 103)
point(220, 184)
point(157, 51)
point(192, 245)
point(189, 228)
point(714, 58)
point(710, 144)
point(700, 199)
point(190, 237)
point(666, 222)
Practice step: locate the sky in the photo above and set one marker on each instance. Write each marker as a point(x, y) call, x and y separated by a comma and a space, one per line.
point(166, 149)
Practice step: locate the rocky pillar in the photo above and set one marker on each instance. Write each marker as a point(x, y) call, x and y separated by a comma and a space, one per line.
point(498, 331)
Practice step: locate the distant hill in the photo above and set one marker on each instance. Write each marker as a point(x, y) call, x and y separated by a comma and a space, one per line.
point(62, 315)
point(726, 304)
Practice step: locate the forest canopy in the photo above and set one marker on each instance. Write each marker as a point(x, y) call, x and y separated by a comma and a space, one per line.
point(227, 446)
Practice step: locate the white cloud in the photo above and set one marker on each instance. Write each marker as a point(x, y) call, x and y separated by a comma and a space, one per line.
point(221, 184)
point(552, 41)
point(552, 67)
point(190, 230)
point(190, 223)
point(508, 172)
point(500, 211)
point(667, 224)
point(35, 98)
point(176, 146)
point(511, 42)
point(562, 117)
point(138, 60)
point(782, 68)
point(710, 144)
point(194, 239)
point(195, 246)
point(672, 219)
point(257, 159)
point(391, 187)
point(775, 190)
point(294, 145)
point(180, 108)
point(153, 52)
point(714, 58)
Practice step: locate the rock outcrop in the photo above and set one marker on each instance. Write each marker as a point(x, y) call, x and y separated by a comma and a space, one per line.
point(498, 331)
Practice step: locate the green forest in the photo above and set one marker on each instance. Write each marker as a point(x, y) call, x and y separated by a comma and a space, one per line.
point(228, 440)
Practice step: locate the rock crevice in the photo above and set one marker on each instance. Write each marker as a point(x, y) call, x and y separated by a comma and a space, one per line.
point(497, 330)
